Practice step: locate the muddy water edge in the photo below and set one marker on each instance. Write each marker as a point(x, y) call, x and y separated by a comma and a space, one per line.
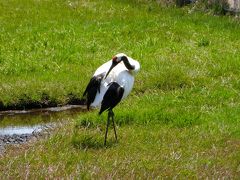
point(17, 127)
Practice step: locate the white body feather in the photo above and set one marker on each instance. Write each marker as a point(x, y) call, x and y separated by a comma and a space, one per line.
point(119, 74)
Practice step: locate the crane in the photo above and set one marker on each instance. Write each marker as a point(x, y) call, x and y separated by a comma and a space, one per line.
point(111, 83)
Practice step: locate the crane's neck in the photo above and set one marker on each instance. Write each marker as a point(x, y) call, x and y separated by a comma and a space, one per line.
point(127, 63)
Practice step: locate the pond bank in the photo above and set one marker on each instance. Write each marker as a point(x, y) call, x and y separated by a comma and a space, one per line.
point(28, 104)
point(17, 139)
point(22, 126)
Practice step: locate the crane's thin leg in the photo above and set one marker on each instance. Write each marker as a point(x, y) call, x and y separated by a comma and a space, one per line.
point(108, 120)
point(112, 115)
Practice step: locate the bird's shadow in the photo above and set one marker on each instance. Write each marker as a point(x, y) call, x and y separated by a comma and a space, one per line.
point(87, 140)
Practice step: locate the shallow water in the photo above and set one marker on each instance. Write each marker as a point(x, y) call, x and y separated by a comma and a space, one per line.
point(20, 130)
point(26, 122)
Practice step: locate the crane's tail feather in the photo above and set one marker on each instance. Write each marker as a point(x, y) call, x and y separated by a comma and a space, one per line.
point(92, 88)
point(112, 97)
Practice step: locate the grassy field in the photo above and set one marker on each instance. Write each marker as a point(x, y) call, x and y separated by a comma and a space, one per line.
point(182, 118)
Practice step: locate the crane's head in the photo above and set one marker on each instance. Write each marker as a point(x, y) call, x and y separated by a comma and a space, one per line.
point(115, 61)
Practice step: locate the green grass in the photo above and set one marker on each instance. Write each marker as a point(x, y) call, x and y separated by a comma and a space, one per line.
point(182, 118)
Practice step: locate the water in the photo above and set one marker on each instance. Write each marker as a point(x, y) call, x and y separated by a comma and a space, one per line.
point(20, 130)
point(27, 122)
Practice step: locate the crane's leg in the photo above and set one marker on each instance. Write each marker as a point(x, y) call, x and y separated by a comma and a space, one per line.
point(108, 120)
point(112, 115)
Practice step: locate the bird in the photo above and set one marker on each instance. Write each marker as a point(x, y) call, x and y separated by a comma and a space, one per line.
point(110, 84)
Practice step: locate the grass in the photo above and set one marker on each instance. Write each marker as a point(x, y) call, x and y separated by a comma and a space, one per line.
point(142, 152)
point(182, 118)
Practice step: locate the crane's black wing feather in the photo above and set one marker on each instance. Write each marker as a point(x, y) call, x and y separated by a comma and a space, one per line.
point(92, 88)
point(112, 97)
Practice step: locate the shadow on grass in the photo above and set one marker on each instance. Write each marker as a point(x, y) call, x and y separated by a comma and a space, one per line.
point(91, 139)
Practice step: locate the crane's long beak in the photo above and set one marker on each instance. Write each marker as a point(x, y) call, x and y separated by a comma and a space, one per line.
point(112, 66)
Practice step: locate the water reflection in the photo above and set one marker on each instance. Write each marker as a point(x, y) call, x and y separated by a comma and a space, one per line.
point(25, 122)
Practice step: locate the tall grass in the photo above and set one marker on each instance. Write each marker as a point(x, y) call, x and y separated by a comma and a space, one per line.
point(55, 53)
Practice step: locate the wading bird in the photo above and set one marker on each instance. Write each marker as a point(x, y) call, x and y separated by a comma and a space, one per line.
point(111, 83)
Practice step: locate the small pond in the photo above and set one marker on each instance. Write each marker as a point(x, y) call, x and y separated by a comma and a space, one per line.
point(18, 126)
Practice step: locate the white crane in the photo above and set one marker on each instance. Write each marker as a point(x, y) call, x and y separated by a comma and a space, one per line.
point(111, 83)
